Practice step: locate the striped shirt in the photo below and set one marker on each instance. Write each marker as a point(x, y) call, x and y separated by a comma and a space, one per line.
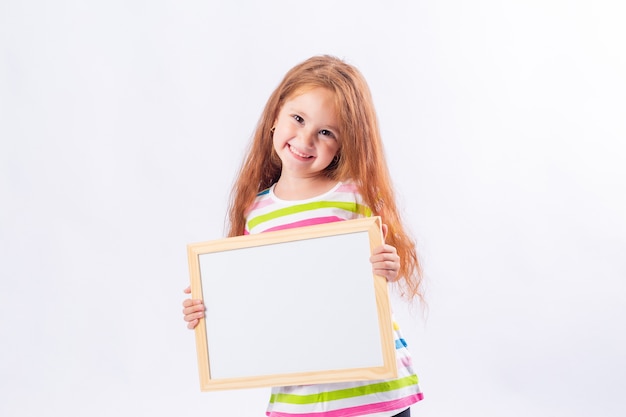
point(380, 398)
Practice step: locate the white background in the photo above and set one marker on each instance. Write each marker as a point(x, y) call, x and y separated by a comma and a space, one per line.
point(122, 124)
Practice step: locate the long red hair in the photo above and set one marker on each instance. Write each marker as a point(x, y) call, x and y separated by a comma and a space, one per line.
point(360, 159)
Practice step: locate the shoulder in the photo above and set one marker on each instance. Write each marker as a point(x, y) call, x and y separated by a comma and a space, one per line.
point(348, 187)
point(348, 196)
point(262, 198)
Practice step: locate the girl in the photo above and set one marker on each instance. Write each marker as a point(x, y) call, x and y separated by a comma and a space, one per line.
point(317, 157)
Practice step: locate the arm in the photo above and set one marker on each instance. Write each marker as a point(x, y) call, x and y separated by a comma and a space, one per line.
point(193, 310)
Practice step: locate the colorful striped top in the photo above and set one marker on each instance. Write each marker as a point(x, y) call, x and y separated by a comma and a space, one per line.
point(381, 398)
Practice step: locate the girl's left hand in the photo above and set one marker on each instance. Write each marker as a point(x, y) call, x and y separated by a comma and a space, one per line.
point(385, 260)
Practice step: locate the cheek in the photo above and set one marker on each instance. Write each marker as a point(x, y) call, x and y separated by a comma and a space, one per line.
point(333, 148)
point(279, 139)
point(283, 133)
point(276, 143)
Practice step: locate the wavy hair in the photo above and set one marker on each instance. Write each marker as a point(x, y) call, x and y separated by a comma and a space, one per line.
point(360, 159)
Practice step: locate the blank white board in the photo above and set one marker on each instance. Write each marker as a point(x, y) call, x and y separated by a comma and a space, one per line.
point(297, 306)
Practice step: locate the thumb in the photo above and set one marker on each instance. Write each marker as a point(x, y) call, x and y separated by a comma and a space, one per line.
point(385, 230)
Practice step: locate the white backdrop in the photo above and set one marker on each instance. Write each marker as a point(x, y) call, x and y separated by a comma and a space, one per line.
point(122, 124)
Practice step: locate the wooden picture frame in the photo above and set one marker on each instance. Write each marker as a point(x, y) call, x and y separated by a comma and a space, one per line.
point(292, 307)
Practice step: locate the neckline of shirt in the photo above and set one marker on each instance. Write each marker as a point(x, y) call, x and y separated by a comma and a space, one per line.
point(317, 197)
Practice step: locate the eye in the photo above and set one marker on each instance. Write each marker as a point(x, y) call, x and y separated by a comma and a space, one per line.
point(328, 133)
point(297, 118)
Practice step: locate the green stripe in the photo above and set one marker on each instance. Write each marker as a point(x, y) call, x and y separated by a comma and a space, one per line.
point(299, 208)
point(345, 393)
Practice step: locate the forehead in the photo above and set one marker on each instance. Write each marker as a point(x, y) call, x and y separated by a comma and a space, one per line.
point(313, 96)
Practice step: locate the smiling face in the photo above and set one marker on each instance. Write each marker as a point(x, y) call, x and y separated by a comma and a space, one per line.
point(306, 133)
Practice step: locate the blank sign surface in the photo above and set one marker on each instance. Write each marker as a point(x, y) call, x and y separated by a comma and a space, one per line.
point(279, 323)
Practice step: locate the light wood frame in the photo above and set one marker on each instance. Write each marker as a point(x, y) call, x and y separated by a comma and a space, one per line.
point(327, 238)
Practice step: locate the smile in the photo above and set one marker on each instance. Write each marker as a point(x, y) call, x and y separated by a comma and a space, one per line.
point(298, 153)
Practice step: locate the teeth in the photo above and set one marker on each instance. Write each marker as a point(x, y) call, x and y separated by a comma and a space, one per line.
point(295, 151)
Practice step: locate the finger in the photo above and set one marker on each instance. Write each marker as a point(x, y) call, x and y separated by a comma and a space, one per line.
point(388, 258)
point(187, 290)
point(192, 324)
point(384, 255)
point(386, 266)
point(188, 302)
point(194, 316)
point(193, 309)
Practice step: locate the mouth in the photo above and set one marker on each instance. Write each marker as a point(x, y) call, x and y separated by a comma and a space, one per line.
point(298, 153)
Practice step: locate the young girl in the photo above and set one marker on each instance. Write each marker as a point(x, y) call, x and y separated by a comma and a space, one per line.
point(317, 157)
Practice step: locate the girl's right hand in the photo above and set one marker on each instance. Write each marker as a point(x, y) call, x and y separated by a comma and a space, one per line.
point(193, 310)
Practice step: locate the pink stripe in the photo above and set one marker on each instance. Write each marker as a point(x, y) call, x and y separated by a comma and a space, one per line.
point(347, 188)
point(307, 222)
point(359, 410)
point(260, 204)
point(405, 362)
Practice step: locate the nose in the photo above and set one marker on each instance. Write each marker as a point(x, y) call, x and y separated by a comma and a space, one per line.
point(307, 137)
